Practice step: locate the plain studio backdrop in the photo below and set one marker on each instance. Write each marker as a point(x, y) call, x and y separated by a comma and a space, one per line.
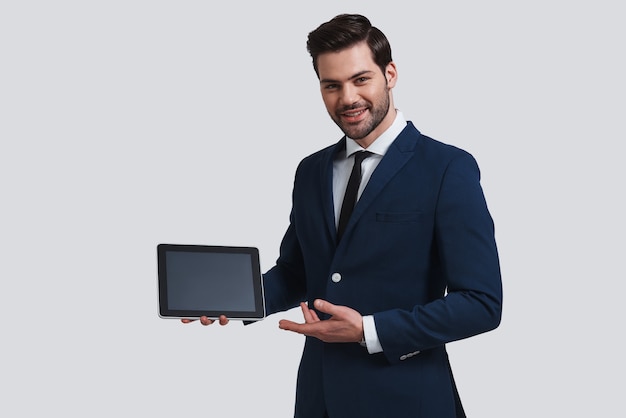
point(124, 124)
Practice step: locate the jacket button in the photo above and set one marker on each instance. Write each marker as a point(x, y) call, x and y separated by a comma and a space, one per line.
point(336, 277)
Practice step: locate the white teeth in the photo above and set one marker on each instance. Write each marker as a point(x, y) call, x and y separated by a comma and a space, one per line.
point(354, 114)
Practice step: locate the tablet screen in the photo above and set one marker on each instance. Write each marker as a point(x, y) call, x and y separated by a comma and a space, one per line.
point(202, 280)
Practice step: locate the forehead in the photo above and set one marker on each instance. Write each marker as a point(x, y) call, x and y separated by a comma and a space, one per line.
point(342, 65)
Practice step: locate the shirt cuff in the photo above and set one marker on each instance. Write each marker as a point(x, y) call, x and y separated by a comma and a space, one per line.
point(371, 336)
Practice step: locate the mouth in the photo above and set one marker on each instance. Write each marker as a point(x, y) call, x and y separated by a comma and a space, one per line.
point(354, 115)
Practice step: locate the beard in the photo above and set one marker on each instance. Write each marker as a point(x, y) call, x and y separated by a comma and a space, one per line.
point(359, 130)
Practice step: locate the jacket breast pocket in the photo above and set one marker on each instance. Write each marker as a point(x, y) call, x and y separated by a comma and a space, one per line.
point(399, 217)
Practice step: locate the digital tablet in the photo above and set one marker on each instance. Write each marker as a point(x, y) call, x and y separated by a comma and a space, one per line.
point(209, 280)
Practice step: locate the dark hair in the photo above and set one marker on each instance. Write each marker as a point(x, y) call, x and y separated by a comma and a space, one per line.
point(344, 31)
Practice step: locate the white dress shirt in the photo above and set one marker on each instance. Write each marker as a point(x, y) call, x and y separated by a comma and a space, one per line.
point(342, 167)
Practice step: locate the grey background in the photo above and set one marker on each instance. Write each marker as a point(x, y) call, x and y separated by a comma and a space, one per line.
point(124, 124)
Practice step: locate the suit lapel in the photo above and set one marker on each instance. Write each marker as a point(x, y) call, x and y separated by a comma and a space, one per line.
point(327, 185)
point(398, 154)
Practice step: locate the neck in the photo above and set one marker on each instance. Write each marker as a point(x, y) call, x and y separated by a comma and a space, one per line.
point(382, 127)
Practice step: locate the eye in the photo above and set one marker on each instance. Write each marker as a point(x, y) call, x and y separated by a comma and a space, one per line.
point(331, 86)
point(361, 80)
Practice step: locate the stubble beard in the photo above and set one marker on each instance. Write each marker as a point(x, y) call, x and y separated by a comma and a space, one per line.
point(362, 129)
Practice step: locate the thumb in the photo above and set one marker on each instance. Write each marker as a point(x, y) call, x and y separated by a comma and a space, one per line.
point(325, 306)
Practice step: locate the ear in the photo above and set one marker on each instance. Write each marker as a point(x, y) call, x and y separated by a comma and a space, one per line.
point(391, 74)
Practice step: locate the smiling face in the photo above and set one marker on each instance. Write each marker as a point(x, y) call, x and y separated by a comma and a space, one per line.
point(356, 93)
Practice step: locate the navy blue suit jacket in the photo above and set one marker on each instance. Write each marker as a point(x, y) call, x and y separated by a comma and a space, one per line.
point(419, 254)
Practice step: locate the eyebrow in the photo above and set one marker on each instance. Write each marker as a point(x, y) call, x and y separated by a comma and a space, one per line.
point(357, 75)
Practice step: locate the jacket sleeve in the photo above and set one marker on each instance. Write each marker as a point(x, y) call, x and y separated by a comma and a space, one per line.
point(466, 253)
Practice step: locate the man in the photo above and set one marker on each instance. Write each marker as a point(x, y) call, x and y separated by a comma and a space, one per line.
point(416, 265)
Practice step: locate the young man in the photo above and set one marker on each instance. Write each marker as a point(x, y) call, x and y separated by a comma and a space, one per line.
point(415, 265)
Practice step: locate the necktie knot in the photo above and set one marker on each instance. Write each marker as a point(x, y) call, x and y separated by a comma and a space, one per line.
point(359, 156)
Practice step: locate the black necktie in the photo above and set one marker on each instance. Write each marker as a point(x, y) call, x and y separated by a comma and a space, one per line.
point(349, 200)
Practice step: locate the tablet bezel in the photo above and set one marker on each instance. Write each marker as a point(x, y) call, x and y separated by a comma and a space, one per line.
point(256, 282)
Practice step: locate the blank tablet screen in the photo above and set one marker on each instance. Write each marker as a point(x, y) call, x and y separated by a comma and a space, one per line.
point(201, 280)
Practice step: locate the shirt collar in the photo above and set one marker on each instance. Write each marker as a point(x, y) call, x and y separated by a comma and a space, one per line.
point(383, 142)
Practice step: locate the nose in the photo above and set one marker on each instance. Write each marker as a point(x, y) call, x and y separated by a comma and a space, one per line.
point(349, 95)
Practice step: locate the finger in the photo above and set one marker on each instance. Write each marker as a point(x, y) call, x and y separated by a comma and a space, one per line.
point(205, 321)
point(309, 314)
point(314, 316)
point(187, 320)
point(287, 325)
point(223, 320)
